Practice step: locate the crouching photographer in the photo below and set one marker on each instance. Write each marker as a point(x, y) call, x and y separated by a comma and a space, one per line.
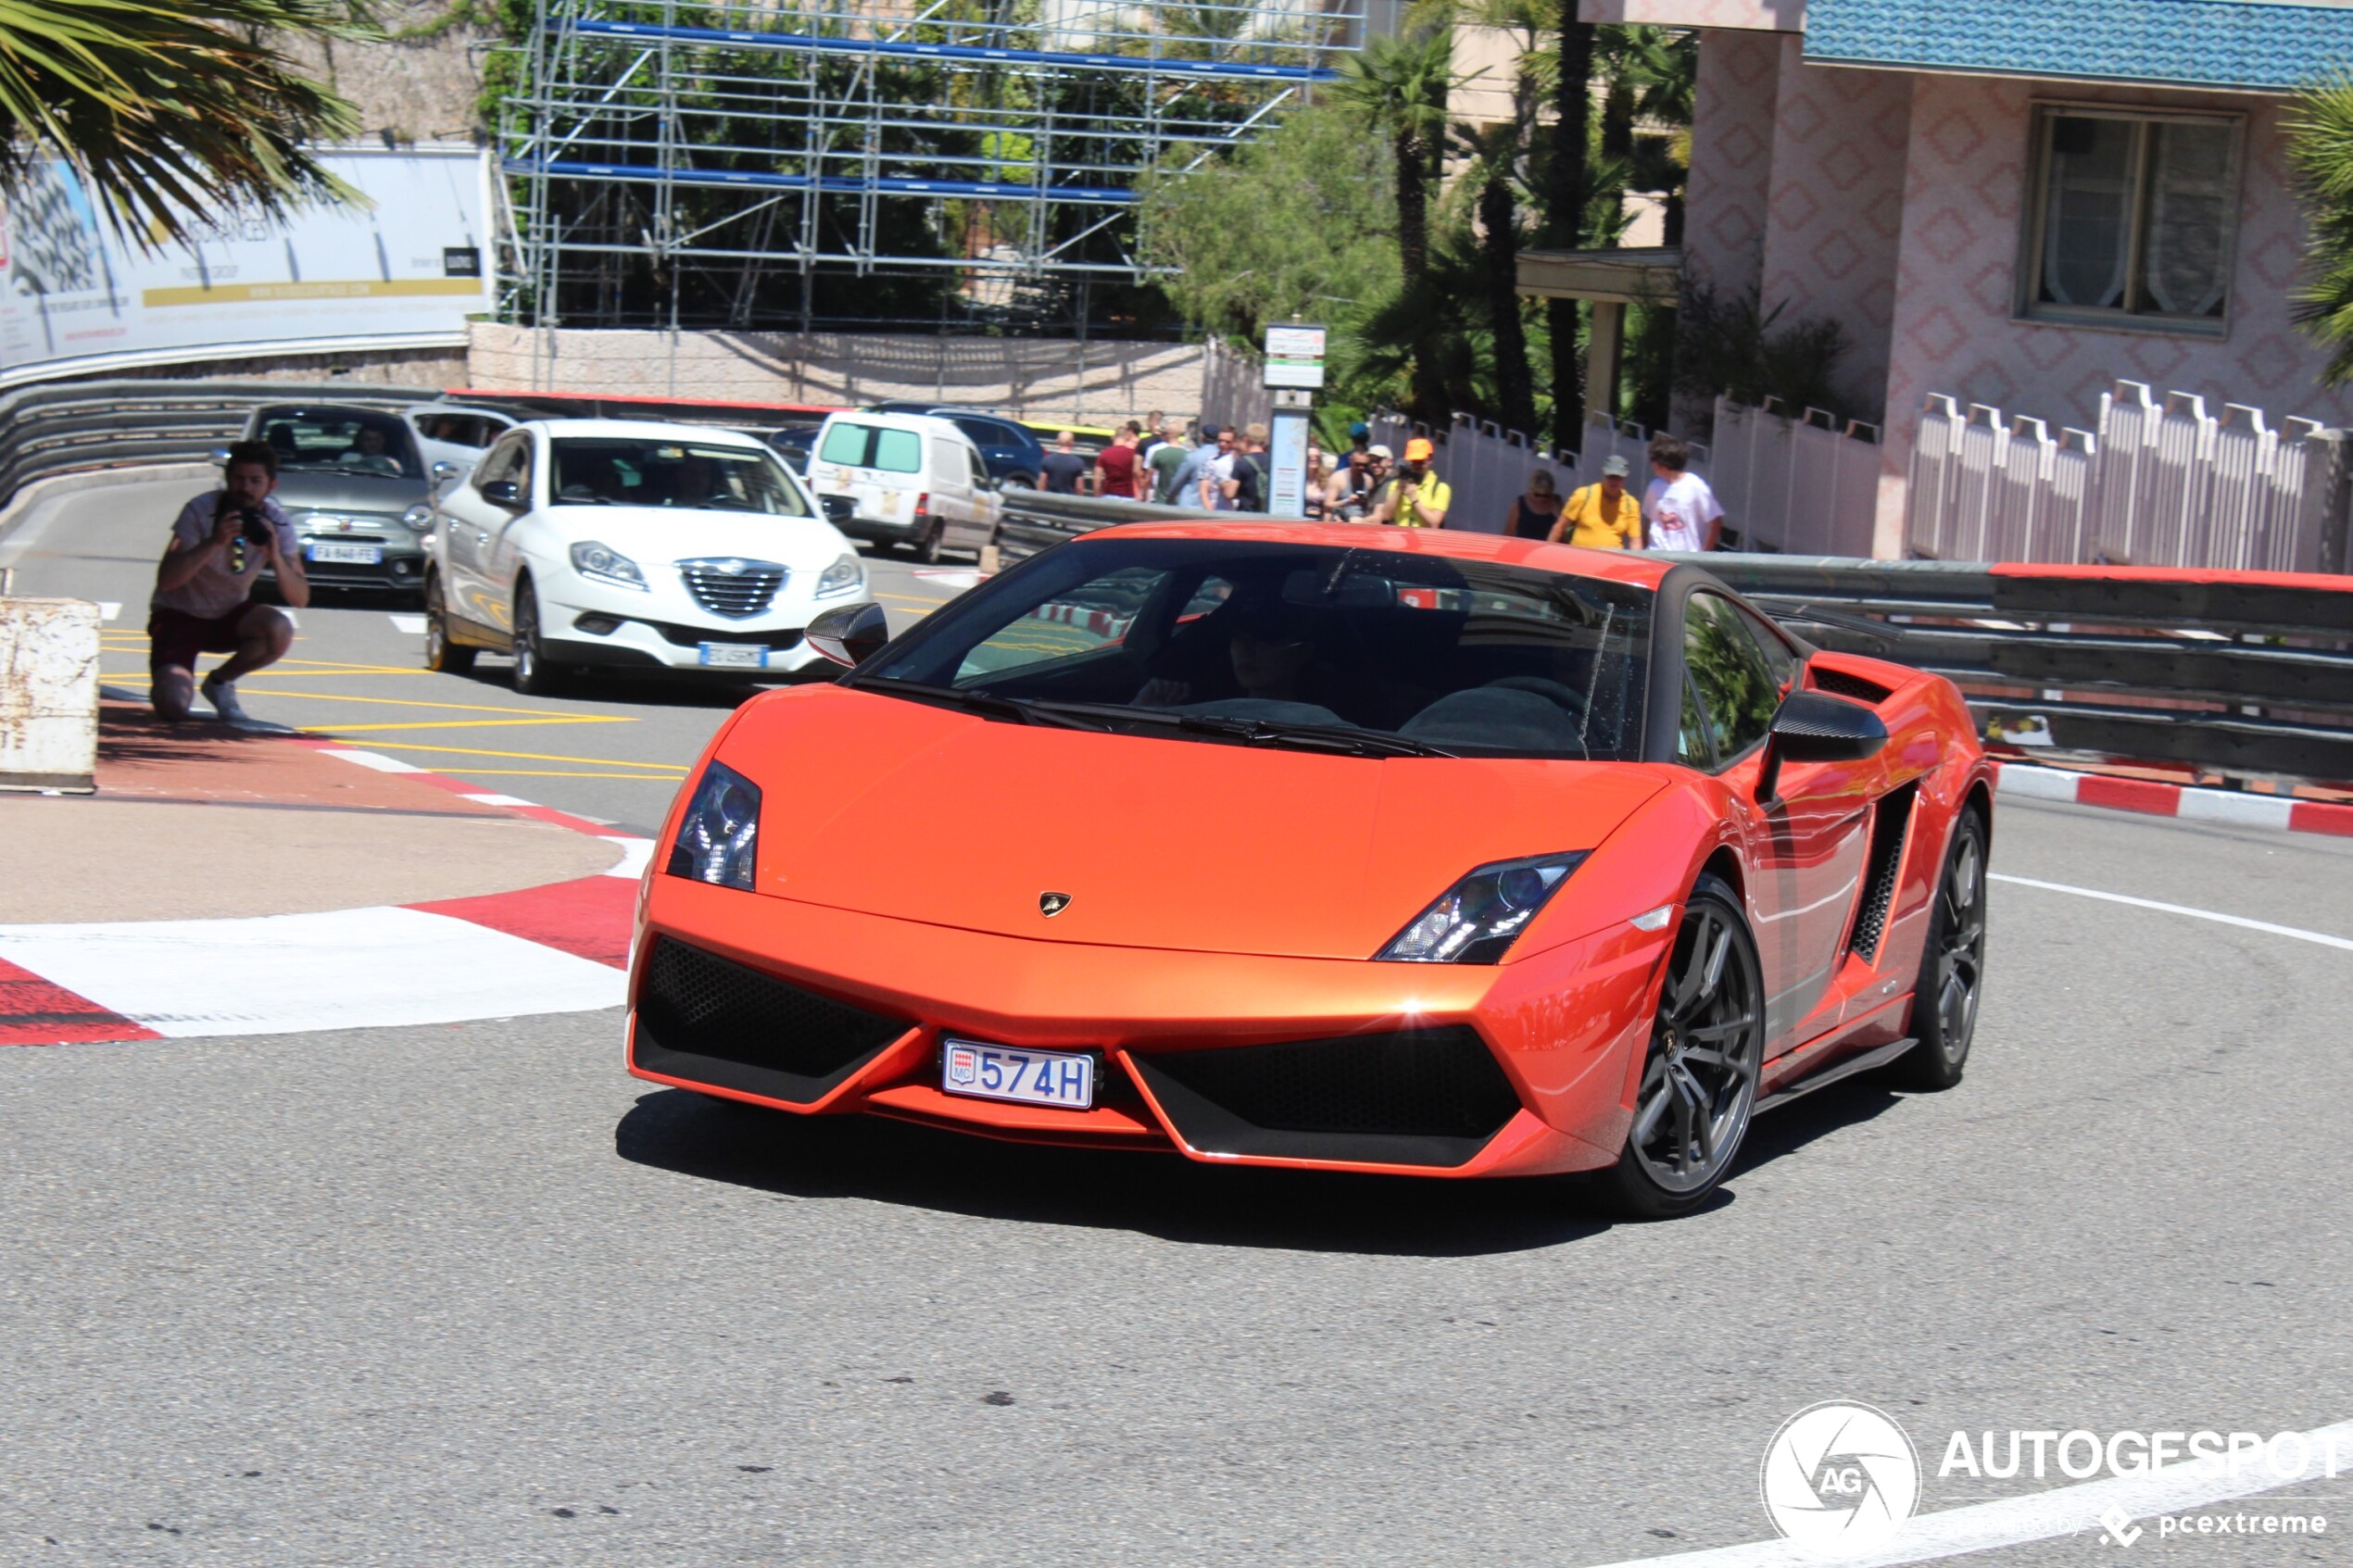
point(204, 588)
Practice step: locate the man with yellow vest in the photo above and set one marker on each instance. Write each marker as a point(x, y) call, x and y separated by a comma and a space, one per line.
point(1417, 497)
point(1602, 516)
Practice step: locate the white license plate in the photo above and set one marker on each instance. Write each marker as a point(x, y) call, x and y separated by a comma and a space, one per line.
point(352, 555)
point(1056, 1078)
point(735, 656)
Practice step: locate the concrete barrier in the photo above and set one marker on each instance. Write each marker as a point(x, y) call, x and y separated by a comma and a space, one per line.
point(48, 695)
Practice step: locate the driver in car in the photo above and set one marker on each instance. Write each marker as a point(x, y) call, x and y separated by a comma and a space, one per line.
point(1270, 649)
point(367, 451)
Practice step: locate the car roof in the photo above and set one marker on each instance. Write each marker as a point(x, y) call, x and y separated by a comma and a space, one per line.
point(1636, 568)
point(649, 430)
point(415, 409)
point(930, 424)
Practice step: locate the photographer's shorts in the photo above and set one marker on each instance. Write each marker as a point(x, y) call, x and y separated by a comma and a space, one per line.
point(175, 637)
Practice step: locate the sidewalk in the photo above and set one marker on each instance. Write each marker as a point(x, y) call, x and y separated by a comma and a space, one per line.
point(228, 882)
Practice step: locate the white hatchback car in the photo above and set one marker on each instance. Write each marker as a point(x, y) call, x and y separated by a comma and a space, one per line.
point(627, 544)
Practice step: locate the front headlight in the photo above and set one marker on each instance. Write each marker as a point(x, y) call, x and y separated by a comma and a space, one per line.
point(1479, 918)
point(418, 519)
point(718, 841)
point(845, 576)
point(607, 565)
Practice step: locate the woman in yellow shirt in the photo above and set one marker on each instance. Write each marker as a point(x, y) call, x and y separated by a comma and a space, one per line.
point(1604, 516)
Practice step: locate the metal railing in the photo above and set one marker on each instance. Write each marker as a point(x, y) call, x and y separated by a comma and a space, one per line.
point(69, 427)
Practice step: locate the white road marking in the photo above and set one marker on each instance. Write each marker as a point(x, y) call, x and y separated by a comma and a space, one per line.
point(414, 625)
point(2064, 1511)
point(288, 974)
point(2231, 806)
point(376, 760)
point(634, 853)
point(2322, 938)
point(499, 800)
point(110, 608)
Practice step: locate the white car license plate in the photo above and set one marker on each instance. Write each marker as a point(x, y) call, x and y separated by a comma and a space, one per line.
point(736, 656)
point(1056, 1078)
point(353, 555)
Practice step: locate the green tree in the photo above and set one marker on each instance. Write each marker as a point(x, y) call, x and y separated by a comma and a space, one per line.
point(2320, 147)
point(1567, 188)
point(171, 110)
point(1399, 86)
point(1494, 154)
point(1303, 223)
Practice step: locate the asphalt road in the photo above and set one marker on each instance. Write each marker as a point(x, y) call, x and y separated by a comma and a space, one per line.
point(615, 751)
point(470, 1295)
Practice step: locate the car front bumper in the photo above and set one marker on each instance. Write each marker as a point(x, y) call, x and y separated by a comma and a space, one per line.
point(1510, 1070)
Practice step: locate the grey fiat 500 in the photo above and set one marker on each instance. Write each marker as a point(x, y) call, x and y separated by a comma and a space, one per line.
point(355, 484)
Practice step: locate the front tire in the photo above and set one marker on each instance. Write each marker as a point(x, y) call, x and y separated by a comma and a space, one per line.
point(533, 675)
point(441, 654)
point(1699, 1082)
point(1952, 967)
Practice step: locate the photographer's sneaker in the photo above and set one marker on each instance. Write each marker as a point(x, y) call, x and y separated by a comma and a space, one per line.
point(222, 694)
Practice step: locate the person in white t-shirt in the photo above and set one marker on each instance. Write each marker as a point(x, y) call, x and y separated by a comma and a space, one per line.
point(1679, 506)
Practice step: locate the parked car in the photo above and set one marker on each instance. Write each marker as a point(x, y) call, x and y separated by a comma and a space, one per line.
point(355, 484)
point(793, 446)
point(910, 478)
point(1010, 449)
point(456, 434)
point(625, 544)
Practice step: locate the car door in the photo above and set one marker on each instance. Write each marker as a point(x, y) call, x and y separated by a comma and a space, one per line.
point(1807, 840)
point(950, 482)
point(987, 505)
point(507, 538)
point(468, 524)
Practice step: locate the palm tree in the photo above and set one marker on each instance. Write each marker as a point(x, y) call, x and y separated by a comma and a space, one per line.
point(1494, 156)
point(1567, 189)
point(2321, 146)
point(171, 110)
point(1400, 86)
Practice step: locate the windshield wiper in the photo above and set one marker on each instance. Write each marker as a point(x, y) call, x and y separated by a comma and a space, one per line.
point(986, 703)
point(1253, 732)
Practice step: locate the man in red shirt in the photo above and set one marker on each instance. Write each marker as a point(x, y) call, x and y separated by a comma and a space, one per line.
point(1117, 465)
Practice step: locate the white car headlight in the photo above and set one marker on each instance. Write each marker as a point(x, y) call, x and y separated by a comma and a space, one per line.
point(1479, 918)
point(845, 576)
point(720, 837)
point(418, 519)
point(607, 565)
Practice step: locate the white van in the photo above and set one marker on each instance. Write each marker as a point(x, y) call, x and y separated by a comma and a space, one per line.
point(910, 478)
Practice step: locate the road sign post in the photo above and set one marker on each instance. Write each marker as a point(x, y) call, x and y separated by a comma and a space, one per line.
point(1294, 370)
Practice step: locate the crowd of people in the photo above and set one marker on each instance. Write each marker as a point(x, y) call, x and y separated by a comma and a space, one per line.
point(1226, 468)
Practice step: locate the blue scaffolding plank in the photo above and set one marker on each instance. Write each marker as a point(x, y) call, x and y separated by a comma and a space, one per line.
point(809, 41)
point(840, 183)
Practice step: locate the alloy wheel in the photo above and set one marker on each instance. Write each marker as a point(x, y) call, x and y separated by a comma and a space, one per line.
point(1699, 1087)
point(1960, 958)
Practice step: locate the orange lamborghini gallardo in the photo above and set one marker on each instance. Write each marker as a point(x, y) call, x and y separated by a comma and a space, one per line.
point(1335, 847)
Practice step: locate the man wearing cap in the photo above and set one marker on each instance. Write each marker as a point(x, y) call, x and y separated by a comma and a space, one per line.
point(1417, 497)
point(1604, 516)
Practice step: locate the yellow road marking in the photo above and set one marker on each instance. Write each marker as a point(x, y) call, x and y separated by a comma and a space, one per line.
point(455, 707)
point(912, 598)
point(528, 756)
point(547, 773)
point(453, 725)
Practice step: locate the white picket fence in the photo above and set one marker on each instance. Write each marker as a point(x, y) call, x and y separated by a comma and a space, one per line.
point(2159, 484)
point(1488, 466)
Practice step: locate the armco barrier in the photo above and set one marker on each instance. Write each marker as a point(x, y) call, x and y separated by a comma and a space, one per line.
point(67, 427)
point(2244, 673)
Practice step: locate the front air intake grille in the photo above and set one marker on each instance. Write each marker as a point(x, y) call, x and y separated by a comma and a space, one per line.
point(707, 1018)
point(1888, 830)
point(1426, 1096)
point(1838, 682)
point(725, 585)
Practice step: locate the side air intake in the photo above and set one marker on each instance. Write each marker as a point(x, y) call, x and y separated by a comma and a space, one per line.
point(1888, 831)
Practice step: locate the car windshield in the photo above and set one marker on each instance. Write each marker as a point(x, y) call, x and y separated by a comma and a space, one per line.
point(608, 471)
point(358, 441)
point(1326, 646)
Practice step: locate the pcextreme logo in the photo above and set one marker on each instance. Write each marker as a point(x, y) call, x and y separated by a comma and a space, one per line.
point(1840, 1477)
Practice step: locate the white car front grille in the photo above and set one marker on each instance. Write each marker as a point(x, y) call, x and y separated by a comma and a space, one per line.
point(731, 586)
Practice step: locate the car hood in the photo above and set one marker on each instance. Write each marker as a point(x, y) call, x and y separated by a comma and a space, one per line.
point(655, 534)
point(924, 814)
point(318, 490)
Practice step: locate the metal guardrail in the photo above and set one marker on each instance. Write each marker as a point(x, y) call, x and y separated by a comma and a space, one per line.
point(69, 427)
point(2248, 674)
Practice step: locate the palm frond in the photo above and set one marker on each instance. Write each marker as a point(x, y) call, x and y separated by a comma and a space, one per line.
point(169, 112)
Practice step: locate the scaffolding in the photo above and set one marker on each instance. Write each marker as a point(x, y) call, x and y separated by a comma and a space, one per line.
point(765, 164)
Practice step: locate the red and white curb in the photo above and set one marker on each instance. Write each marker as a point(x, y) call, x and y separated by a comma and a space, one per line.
point(2150, 797)
point(562, 947)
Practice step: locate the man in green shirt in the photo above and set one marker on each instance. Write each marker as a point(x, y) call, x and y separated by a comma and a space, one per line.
point(1166, 460)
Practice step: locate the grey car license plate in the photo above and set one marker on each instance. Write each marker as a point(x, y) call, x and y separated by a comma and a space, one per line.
point(735, 656)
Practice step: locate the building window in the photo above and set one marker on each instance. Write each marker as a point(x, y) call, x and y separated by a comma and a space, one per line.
point(2132, 218)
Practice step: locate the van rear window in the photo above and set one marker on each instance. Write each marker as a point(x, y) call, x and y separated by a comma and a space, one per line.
point(873, 447)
